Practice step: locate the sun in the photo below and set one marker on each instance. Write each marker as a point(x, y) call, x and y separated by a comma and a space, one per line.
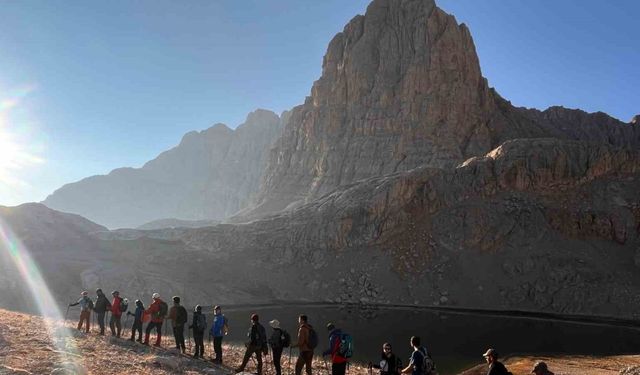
point(18, 148)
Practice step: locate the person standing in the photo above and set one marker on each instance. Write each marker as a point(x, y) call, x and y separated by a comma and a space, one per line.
point(198, 324)
point(338, 362)
point(420, 362)
point(219, 329)
point(115, 322)
point(256, 344)
point(495, 367)
point(390, 363)
point(86, 304)
point(158, 311)
point(137, 321)
point(101, 306)
point(307, 340)
point(540, 368)
point(277, 342)
point(178, 317)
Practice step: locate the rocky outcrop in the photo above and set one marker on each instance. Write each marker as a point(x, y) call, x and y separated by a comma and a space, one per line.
point(524, 227)
point(208, 176)
point(401, 87)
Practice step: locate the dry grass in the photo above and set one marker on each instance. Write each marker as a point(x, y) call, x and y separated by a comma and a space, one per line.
point(26, 347)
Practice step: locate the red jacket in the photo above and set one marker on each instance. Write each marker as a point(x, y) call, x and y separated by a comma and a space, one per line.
point(153, 310)
point(115, 306)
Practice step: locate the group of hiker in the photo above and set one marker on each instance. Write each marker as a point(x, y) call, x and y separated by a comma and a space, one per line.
point(340, 348)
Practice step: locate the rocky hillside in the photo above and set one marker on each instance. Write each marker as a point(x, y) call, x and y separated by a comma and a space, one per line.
point(401, 88)
point(208, 176)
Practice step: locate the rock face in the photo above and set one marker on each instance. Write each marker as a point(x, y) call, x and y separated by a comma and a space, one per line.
point(210, 175)
point(401, 87)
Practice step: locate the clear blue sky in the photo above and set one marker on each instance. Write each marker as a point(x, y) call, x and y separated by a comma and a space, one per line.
point(89, 86)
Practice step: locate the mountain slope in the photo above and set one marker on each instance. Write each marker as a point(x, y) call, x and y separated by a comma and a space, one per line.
point(401, 87)
point(209, 175)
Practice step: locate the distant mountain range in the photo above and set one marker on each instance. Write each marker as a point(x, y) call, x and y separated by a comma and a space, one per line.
point(209, 176)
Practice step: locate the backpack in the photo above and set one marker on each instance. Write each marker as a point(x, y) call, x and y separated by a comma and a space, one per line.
point(199, 322)
point(345, 346)
point(313, 338)
point(285, 338)
point(163, 309)
point(262, 337)
point(124, 305)
point(428, 365)
point(181, 315)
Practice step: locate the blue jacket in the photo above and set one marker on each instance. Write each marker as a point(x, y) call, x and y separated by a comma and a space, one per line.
point(217, 329)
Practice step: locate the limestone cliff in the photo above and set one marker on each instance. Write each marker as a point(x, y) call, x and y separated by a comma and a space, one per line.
point(401, 87)
point(208, 176)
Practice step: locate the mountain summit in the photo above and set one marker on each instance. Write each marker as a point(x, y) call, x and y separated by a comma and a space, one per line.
point(210, 175)
point(401, 87)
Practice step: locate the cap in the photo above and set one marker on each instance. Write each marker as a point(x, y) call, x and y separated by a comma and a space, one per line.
point(274, 323)
point(198, 308)
point(491, 352)
point(176, 299)
point(115, 293)
point(84, 293)
point(216, 307)
point(255, 317)
point(539, 366)
point(98, 290)
point(330, 326)
point(155, 296)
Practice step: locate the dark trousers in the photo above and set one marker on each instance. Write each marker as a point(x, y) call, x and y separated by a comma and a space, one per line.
point(198, 337)
point(338, 368)
point(115, 324)
point(158, 327)
point(217, 348)
point(304, 360)
point(277, 354)
point(251, 350)
point(137, 326)
point(100, 317)
point(178, 334)
point(85, 316)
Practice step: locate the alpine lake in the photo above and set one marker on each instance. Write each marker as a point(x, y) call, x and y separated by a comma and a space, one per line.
point(456, 339)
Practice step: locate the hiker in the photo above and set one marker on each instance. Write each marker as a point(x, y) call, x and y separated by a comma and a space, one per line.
point(101, 306)
point(137, 321)
point(219, 329)
point(338, 361)
point(307, 341)
point(279, 340)
point(540, 368)
point(115, 322)
point(420, 362)
point(198, 324)
point(157, 311)
point(495, 367)
point(390, 363)
point(178, 316)
point(256, 343)
point(86, 304)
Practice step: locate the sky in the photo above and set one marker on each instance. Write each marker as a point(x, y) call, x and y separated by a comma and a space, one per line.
point(89, 86)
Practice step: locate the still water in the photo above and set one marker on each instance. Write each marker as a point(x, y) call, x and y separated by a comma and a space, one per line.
point(456, 340)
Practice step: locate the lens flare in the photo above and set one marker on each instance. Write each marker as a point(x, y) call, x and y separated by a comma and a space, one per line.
point(60, 336)
point(18, 147)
